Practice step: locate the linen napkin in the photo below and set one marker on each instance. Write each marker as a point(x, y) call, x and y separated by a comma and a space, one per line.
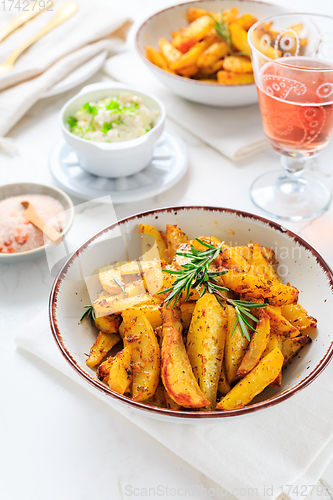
point(94, 28)
point(258, 456)
point(237, 133)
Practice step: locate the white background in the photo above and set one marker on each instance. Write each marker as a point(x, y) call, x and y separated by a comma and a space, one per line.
point(57, 441)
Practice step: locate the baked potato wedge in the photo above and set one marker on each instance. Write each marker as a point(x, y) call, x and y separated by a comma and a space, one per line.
point(145, 352)
point(235, 346)
point(231, 78)
point(176, 371)
point(239, 38)
point(174, 237)
point(256, 346)
point(152, 243)
point(195, 32)
point(298, 316)
point(260, 289)
point(290, 347)
point(120, 373)
point(205, 344)
point(103, 344)
point(254, 382)
point(279, 323)
point(107, 324)
point(113, 304)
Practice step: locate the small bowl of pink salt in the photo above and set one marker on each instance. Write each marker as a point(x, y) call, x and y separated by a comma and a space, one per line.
point(20, 239)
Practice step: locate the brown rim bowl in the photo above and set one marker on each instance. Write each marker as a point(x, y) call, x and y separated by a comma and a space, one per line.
point(173, 18)
point(307, 270)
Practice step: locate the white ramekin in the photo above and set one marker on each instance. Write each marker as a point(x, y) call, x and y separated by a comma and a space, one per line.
point(112, 159)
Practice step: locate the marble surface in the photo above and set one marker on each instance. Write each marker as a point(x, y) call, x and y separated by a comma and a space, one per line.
point(57, 440)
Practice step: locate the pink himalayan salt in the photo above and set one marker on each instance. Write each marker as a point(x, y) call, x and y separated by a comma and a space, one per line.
point(17, 234)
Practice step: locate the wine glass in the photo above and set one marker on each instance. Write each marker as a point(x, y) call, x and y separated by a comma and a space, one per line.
point(292, 57)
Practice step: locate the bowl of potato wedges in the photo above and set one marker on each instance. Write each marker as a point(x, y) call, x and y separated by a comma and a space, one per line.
point(195, 313)
point(199, 50)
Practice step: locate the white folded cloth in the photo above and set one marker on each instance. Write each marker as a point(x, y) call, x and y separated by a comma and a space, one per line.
point(90, 31)
point(258, 456)
point(237, 133)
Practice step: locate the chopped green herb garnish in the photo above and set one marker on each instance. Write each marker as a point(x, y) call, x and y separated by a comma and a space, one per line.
point(92, 110)
point(72, 121)
point(106, 127)
point(113, 105)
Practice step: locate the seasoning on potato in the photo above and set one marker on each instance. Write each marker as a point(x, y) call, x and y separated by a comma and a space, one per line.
point(213, 48)
point(195, 324)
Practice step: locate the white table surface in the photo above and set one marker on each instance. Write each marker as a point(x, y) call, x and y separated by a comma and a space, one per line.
point(57, 440)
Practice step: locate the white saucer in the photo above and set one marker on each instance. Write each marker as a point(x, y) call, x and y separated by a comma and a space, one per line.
point(167, 167)
point(78, 76)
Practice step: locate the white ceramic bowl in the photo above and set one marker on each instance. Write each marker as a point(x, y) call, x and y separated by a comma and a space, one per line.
point(306, 270)
point(160, 25)
point(31, 188)
point(112, 159)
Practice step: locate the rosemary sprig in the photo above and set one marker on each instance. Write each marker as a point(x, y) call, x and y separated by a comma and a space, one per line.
point(196, 272)
point(89, 312)
point(119, 283)
point(222, 29)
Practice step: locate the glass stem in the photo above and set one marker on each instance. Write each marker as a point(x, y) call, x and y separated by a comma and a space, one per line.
point(291, 180)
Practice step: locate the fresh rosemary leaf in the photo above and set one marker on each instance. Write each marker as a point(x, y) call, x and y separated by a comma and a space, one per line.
point(222, 29)
point(88, 312)
point(119, 283)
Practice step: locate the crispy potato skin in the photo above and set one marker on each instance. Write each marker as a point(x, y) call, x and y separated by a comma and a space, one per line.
point(104, 343)
point(196, 31)
point(155, 57)
point(239, 38)
point(261, 265)
point(120, 373)
point(107, 324)
point(190, 58)
point(113, 304)
point(213, 53)
point(290, 347)
point(280, 324)
point(176, 371)
point(256, 347)
point(145, 351)
point(205, 344)
point(231, 78)
point(103, 371)
point(254, 287)
point(298, 316)
point(153, 244)
point(169, 52)
point(238, 64)
point(235, 346)
point(175, 237)
point(254, 382)
point(170, 403)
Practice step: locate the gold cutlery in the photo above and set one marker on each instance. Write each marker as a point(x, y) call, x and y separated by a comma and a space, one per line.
point(67, 11)
point(18, 21)
point(32, 217)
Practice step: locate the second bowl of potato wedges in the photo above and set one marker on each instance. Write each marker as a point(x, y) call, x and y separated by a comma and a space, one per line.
point(199, 50)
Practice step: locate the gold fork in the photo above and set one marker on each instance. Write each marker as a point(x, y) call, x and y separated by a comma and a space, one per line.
point(67, 11)
point(18, 21)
